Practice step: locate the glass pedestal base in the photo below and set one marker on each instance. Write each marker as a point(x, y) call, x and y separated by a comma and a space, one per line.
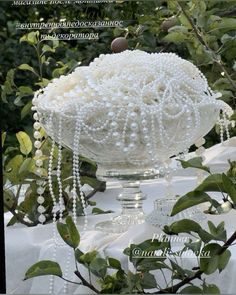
point(121, 223)
point(132, 213)
point(160, 216)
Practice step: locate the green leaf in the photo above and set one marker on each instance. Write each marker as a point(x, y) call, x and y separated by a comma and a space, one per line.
point(175, 37)
point(97, 211)
point(87, 257)
point(58, 72)
point(225, 23)
point(26, 67)
point(69, 232)
point(26, 109)
point(148, 281)
point(31, 38)
point(191, 290)
point(184, 226)
point(189, 200)
point(78, 254)
point(4, 134)
point(25, 90)
point(210, 289)
point(98, 267)
point(43, 268)
point(209, 266)
point(178, 271)
point(194, 163)
point(114, 263)
point(223, 260)
point(43, 83)
point(25, 166)
point(229, 187)
point(213, 183)
point(12, 168)
point(218, 232)
point(47, 48)
point(25, 142)
point(194, 246)
point(9, 199)
point(188, 226)
point(12, 221)
point(212, 228)
point(209, 258)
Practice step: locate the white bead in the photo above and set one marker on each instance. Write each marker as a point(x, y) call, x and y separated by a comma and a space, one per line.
point(36, 125)
point(200, 151)
point(200, 142)
point(40, 190)
point(145, 130)
point(119, 144)
point(116, 134)
point(111, 114)
point(41, 209)
point(37, 135)
point(40, 200)
point(39, 163)
point(134, 136)
point(134, 126)
point(133, 115)
point(41, 218)
point(35, 116)
point(39, 171)
point(37, 144)
point(125, 150)
point(39, 182)
point(38, 153)
point(114, 125)
point(131, 146)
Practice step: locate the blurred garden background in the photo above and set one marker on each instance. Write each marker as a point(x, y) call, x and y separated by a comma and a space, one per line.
point(203, 32)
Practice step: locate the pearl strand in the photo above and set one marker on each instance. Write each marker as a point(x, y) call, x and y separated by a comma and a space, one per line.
point(39, 164)
point(226, 125)
point(76, 175)
point(60, 195)
point(200, 152)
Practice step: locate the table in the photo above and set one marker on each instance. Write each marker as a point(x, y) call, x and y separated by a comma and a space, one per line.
point(26, 246)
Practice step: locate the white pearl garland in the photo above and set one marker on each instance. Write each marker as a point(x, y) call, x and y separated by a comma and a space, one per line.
point(39, 163)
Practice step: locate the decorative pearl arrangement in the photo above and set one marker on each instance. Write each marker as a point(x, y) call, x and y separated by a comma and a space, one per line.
point(143, 107)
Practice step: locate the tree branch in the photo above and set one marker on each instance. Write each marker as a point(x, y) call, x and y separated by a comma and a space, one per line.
point(85, 283)
point(204, 43)
point(97, 189)
point(21, 220)
point(198, 274)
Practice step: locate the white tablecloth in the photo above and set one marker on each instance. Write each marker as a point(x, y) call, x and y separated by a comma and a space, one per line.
point(25, 246)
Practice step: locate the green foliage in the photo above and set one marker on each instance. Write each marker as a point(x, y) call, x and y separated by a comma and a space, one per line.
point(69, 232)
point(43, 268)
point(212, 257)
point(222, 183)
point(28, 64)
point(194, 163)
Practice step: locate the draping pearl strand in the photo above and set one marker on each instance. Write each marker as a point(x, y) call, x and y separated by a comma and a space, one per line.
point(39, 164)
point(56, 236)
point(76, 174)
point(200, 153)
point(59, 181)
point(168, 178)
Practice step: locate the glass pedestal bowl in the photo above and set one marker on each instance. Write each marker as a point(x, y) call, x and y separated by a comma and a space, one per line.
point(129, 147)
